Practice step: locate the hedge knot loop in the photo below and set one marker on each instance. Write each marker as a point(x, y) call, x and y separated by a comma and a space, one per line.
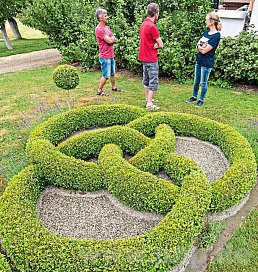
point(124, 130)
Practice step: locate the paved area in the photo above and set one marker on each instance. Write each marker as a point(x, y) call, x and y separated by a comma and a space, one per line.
point(29, 60)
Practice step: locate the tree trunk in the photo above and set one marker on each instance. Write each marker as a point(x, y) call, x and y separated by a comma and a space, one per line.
point(14, 26)
point(6, 39)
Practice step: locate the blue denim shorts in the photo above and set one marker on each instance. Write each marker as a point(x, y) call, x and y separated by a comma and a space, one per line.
point(108, 67)
point(151, 75)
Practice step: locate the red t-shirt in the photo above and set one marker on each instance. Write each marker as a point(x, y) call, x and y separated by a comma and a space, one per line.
point(148, 35)
point(106, 51)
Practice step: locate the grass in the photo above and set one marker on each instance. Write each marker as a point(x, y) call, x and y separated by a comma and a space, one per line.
point(24, 46)
point(241, 252)
point(29, 97)
point(33, 40)
point(26, 32)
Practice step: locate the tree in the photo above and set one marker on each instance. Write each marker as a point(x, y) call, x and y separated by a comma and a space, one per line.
point(15, 7)
point(3, 17)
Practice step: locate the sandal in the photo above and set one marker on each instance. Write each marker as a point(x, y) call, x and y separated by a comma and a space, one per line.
point(117, 90)
point(152, 107)
point(102, 93)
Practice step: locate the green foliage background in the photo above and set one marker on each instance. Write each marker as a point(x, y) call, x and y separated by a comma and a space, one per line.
point(70, 25)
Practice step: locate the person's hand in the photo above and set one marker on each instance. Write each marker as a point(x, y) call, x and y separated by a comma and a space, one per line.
point(156, 46)
point(203, 45)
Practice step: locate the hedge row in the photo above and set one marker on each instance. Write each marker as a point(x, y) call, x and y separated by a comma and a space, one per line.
point(4, 266)
point(90, 143)
point(233, 186)
point(34, 248)
point(151, 159)
point(137, 189)
point(65, 124)
point(229, 190)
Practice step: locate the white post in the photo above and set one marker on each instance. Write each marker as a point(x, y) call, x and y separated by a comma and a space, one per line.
point(254, 16)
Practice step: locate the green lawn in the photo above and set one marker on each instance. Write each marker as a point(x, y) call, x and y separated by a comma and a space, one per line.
point(24, 46)
point(29, 97)
point(33, 40)
point(241, 252)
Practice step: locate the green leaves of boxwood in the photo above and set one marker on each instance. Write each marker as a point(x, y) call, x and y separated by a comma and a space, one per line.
point(34, 248)
point(66, 77)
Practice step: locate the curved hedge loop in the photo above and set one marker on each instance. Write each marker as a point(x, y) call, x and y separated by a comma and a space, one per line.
point(233, 186)
point(34, 248)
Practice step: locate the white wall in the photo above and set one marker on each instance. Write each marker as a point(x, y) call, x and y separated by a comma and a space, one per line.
point(232, 21)
point(254, 17)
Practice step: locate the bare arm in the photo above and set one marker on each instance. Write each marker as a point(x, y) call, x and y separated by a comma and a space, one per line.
point(110, 40)
point(205, 49)
point(159, 43)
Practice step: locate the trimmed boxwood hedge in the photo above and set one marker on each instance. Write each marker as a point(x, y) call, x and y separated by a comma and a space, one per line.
point(34, 248)
point(65, 124)
point(4, 266)
point(233, 186)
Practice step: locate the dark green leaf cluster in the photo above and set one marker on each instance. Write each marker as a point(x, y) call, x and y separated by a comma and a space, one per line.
point(66, 77)
point(237, 59)
point(11, 8)
point(70, 25)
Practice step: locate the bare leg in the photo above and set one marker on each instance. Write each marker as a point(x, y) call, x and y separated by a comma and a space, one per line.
point(113, 81)
point(101, 84)
point(150, 96)
point(146, 92)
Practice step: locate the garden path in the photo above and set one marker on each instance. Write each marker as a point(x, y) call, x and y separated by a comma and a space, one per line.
point(29, 60)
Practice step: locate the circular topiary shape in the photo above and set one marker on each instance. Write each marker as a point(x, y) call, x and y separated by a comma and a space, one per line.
point(66, 77)
point(34, 248)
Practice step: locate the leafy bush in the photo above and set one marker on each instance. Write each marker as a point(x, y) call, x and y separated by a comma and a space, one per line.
point(233, 186)
point(236, 59)
point(179, 22)
point(4, 266)
point(34, 248)
point(66, 77)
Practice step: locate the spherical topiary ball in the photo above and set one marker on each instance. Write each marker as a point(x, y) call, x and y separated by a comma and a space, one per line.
point(66, 77)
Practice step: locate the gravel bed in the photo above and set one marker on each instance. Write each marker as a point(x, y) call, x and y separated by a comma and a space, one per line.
point(91, 215)
point(208, 156)
point(99, 215)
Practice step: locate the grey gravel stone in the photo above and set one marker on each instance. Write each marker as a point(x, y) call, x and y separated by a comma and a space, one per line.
point(99, 215)
point(209, 157)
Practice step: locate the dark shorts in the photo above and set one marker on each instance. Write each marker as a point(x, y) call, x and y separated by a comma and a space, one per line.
point(107, 67)
point(151, 75)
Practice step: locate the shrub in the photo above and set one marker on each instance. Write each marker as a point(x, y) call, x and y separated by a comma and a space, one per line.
point(34, 248)
point(66, 77)
point(61, 21)
point(233, 186)
point(236, 59)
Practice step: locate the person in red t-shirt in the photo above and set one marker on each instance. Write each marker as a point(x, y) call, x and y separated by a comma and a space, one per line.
point(105, 39)
point(150, 41)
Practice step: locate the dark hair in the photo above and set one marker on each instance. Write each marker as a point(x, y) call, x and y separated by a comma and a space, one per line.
point(99, 12)
point(152, 9)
